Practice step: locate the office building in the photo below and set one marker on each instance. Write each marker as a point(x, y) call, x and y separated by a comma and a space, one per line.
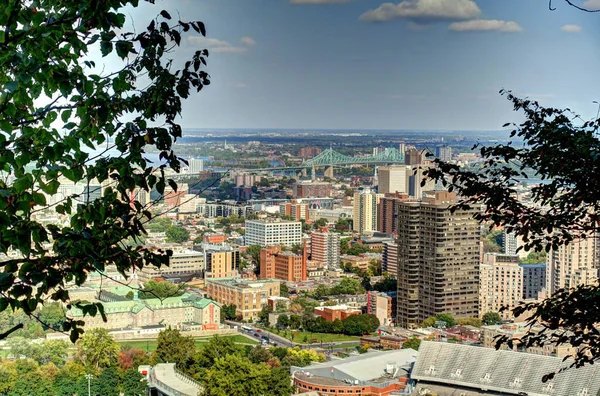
point(325, 248)
point(417, 176)
point(389, 262)
point(272, 232)
point(573, 264)
point(511, 242)
point(413, 157)
point(195, 165)
point(534, 280)
point(309, 152)
point(393, 179)
point(387, 212)
point(249, 296)
point(501, 284)
point(221, 261)
point(365, 211)
point(444, 153)
point(438, 260)
point(246, 179)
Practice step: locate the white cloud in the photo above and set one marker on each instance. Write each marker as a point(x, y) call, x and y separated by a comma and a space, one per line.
point(592, 4)
point(319, 1)
point(216, 45)
point(486, 25)
point(423, 10)
point(571, 28)
point(249, 41)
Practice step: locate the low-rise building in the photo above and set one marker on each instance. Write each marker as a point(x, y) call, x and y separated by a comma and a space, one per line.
point(184, 264)
point(336, 312)
point(248, 296)
point(382, 305)
point(382, 342)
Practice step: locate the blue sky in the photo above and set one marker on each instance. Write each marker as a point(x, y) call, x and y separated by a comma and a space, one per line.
point(363, 64)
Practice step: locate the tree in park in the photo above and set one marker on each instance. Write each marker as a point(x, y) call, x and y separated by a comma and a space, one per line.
point(491, 318)
point(177, 234)
point(175, 348)
point(97, 349)
point(228, 312)
point(131, 358)
point(564, 150)
point(133, 383)
point(62, 112)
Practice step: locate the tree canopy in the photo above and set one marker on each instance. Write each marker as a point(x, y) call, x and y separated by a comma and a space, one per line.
point(61, 113)
point(564, 150)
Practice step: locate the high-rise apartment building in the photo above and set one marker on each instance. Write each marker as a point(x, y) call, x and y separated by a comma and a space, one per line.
point(365, 211)
point(278, 264)
point(309, 152)
point(387, 212)
point(501, 284)
point(272, 232)
point(511, 242)
point(417, 176)
point(573, 264)
point(389, 262)
point(413, 157)
point(444, 153)
point(221, 261)
point(246, 179)
point(534, 279)
point(438, 260)
point(195, 165)
point(393, 179)
point(325, 248)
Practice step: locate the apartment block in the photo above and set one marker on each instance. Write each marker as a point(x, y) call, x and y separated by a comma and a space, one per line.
point(438, 260)
point(573, 264)
point(444, 153)
point(272, 232)
point(325, 248)
point(248, 296)
point(387, 212)
point(393, 179)
point(296, 210)
point(501, 284)
point(312, 189)
point(534, 280)
point(221, 261)
point(383, 305)
point(389, 262)
point(278, 264)
point(365, 211)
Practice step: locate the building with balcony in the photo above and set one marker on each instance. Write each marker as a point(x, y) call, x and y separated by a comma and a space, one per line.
point(273, 232)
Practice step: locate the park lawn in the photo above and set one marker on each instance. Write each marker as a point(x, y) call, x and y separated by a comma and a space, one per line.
point(321, 337)
point(150, 345)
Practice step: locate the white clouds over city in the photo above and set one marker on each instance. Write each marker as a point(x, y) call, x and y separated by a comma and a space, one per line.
point(483, 25)
point(423, 10)
point(571, 28)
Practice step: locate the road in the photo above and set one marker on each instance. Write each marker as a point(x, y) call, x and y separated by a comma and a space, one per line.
point(278, 340)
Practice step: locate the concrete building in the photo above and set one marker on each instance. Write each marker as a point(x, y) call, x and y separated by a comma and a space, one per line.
point(312, 189)
point(438, 260)
point(296, 210)
point(248, 296)
point(444, 153)
point(393, 179)
point(272, 232)
point(246, 179)
point(195, 165)
point(501, 284)
point(336, 312)
point(278, 264)
point(171, 311)
point(359, 262)
point(389, 261)
point(415, 189)
point(221, 261)
point(387, 212)
point(511, 242)
point(534, 279)
point(383, 305)
point(325, 248)
point(365, 211)
point(376, 373)
point(309, 152)
point(573, 264)
point(413, 157)
point(183, 265)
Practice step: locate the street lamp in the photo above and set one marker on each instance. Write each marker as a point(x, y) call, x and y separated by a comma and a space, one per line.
point(598, 112)
point(89, 378)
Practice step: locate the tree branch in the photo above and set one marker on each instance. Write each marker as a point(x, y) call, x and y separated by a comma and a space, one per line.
point(9, 332)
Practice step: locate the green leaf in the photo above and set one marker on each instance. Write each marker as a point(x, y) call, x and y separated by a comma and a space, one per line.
point(65, 115)
point(39, 199)
point(106, 47)
point(11, 86)
point(23, 183)
point(123, 48)
point(165, 14)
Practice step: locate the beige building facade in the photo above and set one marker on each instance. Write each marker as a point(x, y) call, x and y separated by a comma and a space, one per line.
point(248, 296)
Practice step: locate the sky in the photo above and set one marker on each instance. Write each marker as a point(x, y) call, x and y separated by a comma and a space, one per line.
point(368, 64)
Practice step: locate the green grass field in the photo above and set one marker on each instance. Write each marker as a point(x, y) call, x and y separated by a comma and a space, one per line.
point(150, 345)
point(319, 337)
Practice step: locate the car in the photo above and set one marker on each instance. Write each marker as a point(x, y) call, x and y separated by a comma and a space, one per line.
point(259, 330)
point(264, 337)
point(256, 335)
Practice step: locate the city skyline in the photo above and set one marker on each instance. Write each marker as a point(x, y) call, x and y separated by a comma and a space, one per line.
point(363, 64)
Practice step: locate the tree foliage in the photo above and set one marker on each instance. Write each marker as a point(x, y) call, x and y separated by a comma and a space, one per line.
point(177, 234)
point(491, 318)
point(563, 149)
point(62, 112)
point(97, 349)
point(412, 343)
point(161, 289)
point(173, 347)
